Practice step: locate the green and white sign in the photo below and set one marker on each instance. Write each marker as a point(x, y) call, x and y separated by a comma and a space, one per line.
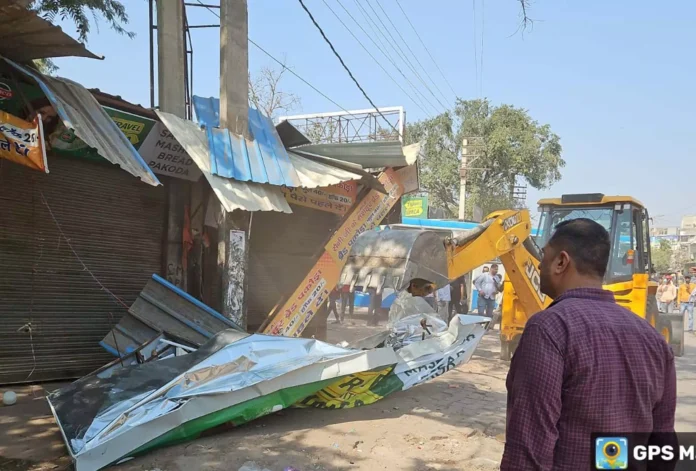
point(414, 207)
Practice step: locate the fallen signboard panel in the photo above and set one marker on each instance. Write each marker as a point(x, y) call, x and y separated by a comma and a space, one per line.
point(235, 377)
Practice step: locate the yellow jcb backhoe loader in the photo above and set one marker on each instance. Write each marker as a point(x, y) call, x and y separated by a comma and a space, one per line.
point(392, 258)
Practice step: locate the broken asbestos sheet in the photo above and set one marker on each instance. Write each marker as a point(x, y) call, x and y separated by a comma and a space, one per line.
point(234, 377)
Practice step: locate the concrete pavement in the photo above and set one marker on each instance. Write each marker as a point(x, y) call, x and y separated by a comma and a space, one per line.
point(686, 387)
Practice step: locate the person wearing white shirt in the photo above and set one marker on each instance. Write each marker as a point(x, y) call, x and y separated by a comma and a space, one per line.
point(443, 296)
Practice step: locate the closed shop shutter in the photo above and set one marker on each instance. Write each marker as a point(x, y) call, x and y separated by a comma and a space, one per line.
point(52, 312)
point(282, 251)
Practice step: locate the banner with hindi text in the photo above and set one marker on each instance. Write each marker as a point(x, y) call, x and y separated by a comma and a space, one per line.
point(22, 141)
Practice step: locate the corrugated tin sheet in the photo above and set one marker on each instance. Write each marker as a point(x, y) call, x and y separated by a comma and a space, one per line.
point(231, 193)
point(25, 36)
point(263, 159)
point(314, 174)
point(366, 154)
point(81, 112)
point(162, 307)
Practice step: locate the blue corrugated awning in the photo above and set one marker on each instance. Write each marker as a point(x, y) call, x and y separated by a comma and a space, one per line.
point(262, 159)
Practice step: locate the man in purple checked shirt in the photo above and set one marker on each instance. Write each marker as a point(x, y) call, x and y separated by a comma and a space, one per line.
point(584, 364)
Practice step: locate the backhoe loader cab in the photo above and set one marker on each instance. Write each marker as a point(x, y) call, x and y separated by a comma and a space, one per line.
point(628, 271)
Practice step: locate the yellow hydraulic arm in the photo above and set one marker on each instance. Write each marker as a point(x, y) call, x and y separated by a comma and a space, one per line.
point(504, 235)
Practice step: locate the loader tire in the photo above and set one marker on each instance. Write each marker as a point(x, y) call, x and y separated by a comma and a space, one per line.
point(664, 327)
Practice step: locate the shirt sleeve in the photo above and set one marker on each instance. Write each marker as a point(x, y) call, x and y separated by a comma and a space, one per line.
point(663, 413)
point(534, 387)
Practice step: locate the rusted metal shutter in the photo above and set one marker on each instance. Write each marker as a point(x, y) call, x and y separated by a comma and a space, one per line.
point(282, 251)
point(53, 313)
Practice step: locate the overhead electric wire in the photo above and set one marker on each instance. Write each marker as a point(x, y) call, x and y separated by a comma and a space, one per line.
point(476, 62)
point(403, 55)
point(338, 56)
point(375, 59)
point(282, 64)
point(483, 32)
point(379, 31)
point(411, 50)
point(415, 90)
point(382, 49)
point(426, 48)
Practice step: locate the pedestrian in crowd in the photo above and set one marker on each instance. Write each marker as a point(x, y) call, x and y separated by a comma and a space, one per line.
point(457, 298)
point(585, 364)
point(333, 297)
point(443, 297)
point(375, 306)
point(488, 284)
point(666, 295)
point(347, 300)
point(686, 305)
point(692, 300)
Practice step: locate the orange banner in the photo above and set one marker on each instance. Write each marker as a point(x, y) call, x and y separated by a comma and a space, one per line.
point(304, 303)
point(23, 141)
point(335, 198)
point(369, 213)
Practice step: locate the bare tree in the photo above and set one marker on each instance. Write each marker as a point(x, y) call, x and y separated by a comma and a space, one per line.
point(265, 93)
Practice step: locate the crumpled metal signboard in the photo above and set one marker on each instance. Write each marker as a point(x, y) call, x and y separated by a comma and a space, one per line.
point(418, 362)
point(235, 377)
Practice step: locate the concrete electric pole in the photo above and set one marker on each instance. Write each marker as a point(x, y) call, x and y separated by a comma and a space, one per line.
point(462, 180)
point(233, 231)
point(172, 99)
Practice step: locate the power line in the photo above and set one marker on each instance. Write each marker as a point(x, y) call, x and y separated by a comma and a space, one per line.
point(384, 50)
point(405, 43)
point(426, 48)
point(483, 32)
point(282, 64)
point(380, 49)
point(374, 59)
point(395, 45)
point(476, 62)
point(304, 7)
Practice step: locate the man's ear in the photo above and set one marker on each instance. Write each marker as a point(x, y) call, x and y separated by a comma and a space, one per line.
point(562, 262)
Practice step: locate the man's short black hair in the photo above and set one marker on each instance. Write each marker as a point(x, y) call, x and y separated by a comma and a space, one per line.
point(587, 243)
point(494, 265)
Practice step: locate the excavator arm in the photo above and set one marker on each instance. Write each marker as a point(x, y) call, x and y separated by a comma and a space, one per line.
point(392, 258)
point(504, 235)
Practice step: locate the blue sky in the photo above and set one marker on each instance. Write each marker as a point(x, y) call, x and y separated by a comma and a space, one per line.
point(613, 79)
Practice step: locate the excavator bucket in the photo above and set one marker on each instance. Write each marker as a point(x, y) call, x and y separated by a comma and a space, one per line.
point(392, 258)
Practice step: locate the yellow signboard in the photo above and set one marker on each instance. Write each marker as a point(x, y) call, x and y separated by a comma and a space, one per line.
point(352, 391)
point(335, 199)
point(314, 290)
point(23, 141)
point(367, 215)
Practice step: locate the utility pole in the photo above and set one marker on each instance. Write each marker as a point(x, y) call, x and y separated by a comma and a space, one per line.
point(234, 66)
point(462, 179)
point(234, 228)
point(172, 99)
point(470, 154)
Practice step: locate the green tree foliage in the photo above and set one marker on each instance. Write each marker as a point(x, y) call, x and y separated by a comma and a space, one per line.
point(83, 12)
point(662, 257)
point(505, 143)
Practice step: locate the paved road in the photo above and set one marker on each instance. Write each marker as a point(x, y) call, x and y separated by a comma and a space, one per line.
point(686, 387)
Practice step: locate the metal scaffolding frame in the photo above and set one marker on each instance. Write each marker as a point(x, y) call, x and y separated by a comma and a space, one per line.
point(351, 126)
